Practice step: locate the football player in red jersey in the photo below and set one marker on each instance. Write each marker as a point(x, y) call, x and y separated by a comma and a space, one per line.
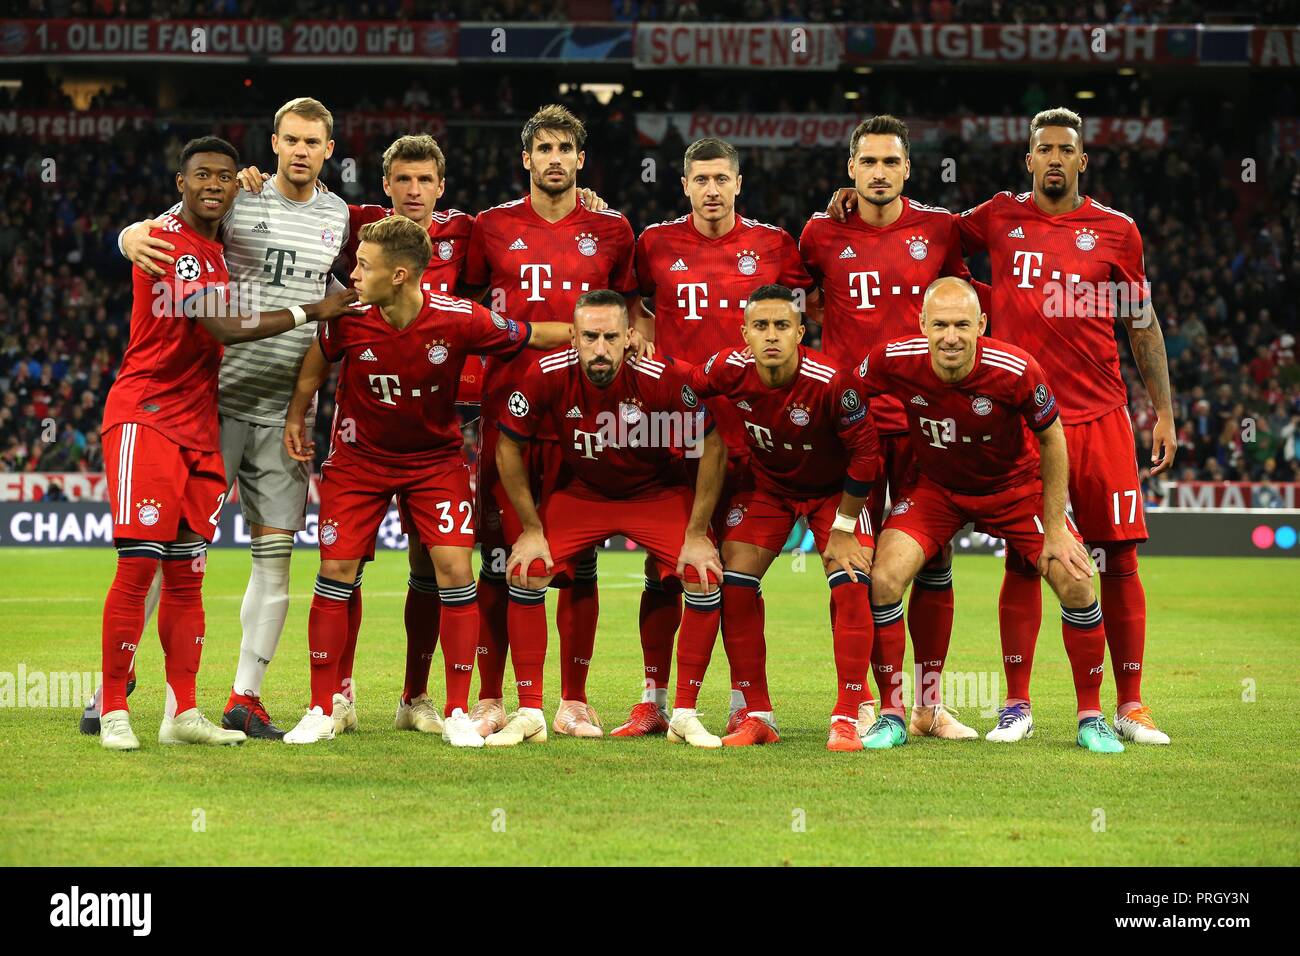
point(532, 258)
point(873, 269)
point(970, 402)
point(396, 433)
point(695, 274)
point(624, 429)
point(814, 454)
point(1065, 269)
point(162, 455)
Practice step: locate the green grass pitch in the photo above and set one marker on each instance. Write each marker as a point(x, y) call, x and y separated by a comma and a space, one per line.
point(1222, 680)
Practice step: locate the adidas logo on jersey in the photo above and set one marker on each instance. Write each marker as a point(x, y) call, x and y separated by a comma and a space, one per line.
point(848, 253)
point(744, 406)
point(1016, 233)
point(918, 400)
point(368, 356)
point(678, 266)
point(261, 228)
point(517, 245)
point(574, 412)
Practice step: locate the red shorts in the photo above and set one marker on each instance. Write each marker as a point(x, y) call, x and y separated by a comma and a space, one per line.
point(1105, 494)
point(930, 515)
point(576, 523)
point(897, 471)
point(354, 497)
point(738, 479)
point(762, 519)
point(467, 414)
point(498, 525)
point(154, 484)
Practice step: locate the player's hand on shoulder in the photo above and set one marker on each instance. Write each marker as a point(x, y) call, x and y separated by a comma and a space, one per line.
point(843, 201)
point(844, 552)
point(1060, 545)
point(251, 178)
point(529, 547)
point(638, 346)
point(591, 200)
point(146, 250)
point(336, 304)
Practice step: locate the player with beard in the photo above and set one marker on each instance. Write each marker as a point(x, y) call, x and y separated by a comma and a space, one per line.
point(873, 269)
point(695, 274)
point(530, 260)
point(1065, 270)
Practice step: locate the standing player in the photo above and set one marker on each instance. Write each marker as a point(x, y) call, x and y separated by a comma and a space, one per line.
point(619, 424)
point(695, 274)
point(976, 463)
point(814, 454)
point(281, 244)
point(397, 392)
point(533, 258)
point(161, 449)
point(873, 269)
point(1065, 269)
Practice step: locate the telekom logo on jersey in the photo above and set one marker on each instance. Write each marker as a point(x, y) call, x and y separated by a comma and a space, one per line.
point(388, 387)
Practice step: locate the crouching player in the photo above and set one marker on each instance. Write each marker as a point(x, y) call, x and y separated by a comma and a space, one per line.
point(396, 432)
point(968, 400)
point(623, 428)
point(814, 454)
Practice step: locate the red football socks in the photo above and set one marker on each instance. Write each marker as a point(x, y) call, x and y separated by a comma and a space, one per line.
point(327, 636)
point(742, 637)
point(1084, 634)
point(852, 635)
point(577, 609)
point(421, 616)
point(887, 656)
point(1124, 603)
point(459, 639)
point(124, 618)
point(929, 619)
point(180, 619)
point(1020, 613)
point(526, 618)
point(493, 636)
point(660, 617)
point(695, 646)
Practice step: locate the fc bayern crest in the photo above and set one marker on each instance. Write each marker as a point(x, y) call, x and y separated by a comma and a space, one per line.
point(328, 533)
point(629, 413)
point(981, 405)
point(587, 244)
point(187, 268)
point(902, 507)
point(747, 263)
point(799, 416)
point(1085, 240)
point(918, 247)
point(444, 250)
point(327, 237)
point(148, 513)
point(734, 517)
point(438, 354)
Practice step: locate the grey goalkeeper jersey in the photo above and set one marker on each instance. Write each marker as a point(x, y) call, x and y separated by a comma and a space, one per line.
point(279, 253)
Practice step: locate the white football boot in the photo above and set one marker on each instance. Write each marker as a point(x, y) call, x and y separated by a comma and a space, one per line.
point(345, 715)
point(191, 727)
point(1138, 726)
point(685, 727)
point(115, 731)
point(459, 731)
point(314, 727)
point(527, 725)
point(1014, 723)
point(421, 714)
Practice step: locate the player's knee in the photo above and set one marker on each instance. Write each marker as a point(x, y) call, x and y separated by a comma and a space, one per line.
point(692, 583)
point(887, 583)
point(1072, 592)
point(1118, 559)
point(339, 570)
point(538, 578)
point(418, 559)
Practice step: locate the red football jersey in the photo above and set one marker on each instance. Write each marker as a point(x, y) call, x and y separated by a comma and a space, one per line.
point(807, 440)
point(449, 232)
point(873, 280)
point(1052, 283)
point(622, 441)
point(168, 376)
point(699, 288)
point(535, 270)
point(395, 403)
point(968, 436)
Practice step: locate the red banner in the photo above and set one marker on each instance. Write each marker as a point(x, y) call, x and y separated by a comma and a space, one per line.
point(992, 43)
point(229, 41)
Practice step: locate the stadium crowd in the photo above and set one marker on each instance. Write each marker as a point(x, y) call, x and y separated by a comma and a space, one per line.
point(1222, 255)
point(719, 11)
